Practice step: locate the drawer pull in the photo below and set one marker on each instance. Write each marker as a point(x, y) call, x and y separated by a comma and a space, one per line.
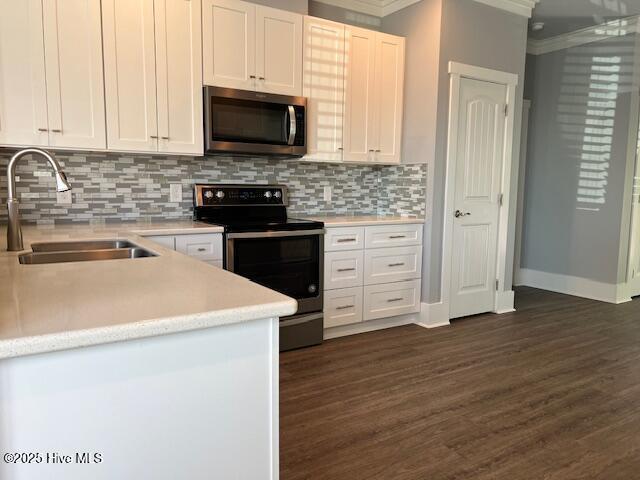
point(202, 249)
point(344, 307)
point(391, 300)
point(346, 240)
point(346, 270)
point(393, 237)
point(396, 264)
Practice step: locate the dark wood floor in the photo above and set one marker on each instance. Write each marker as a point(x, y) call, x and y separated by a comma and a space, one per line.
point(549, 392)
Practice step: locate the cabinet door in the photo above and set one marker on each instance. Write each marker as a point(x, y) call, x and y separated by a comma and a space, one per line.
point(229, 43)
point(278, 51)
point(359, 128)
point(73, 60)
point(23, 96)
point(389, 86)
point(323, 80)
point(179, 76)
point(130, 75)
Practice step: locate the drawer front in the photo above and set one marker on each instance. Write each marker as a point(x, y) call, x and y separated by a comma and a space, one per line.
point(168, 241)
point(343, 269)
point(385, 265)
point(342, 307)
point(391, 299)
point(337, 239)
point(393, 236)
point(202, 247)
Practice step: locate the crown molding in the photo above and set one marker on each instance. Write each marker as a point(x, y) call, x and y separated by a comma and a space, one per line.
point(597, 33)
point(519, 7)
point(376, 8)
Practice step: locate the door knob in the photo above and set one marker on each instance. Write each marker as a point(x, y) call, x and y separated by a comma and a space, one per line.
point(459, 214)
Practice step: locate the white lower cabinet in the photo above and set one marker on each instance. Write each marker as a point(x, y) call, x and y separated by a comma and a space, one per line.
point(391, 299)
point(342, 307)
point(206, 247)
point(371, 272)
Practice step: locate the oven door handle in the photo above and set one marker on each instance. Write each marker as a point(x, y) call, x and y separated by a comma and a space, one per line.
point(293, 125)
point(288, 233)
point(301, 319)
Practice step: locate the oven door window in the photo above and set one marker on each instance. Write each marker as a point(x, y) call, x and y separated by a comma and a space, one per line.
point(288, 265)
point(249, 121)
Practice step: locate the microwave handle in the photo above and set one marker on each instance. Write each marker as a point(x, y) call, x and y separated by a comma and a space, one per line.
point(293, 125)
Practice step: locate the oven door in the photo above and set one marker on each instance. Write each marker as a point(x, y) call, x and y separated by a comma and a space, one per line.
point(290, 262)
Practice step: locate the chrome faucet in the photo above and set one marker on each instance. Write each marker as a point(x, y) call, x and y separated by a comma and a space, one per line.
point(14, 231)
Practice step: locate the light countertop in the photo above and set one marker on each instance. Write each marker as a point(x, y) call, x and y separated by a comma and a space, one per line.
point(365, 220)
point(45, 308)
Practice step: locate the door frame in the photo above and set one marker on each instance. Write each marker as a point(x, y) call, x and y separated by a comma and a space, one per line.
point(503, 300)
point(522, 173)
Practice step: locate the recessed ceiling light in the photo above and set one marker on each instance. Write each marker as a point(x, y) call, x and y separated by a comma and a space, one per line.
point(537, 26)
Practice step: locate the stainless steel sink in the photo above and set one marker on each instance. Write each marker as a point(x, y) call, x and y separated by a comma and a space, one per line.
point(36, 258)
point(75, 246)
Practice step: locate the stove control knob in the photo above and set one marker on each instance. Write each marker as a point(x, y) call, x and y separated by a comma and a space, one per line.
point(268, 194)
point(208, 194)
point(277, 194)
point(219, 194)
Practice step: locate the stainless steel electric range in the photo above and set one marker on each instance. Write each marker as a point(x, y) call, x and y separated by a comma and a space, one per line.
point(266, 246)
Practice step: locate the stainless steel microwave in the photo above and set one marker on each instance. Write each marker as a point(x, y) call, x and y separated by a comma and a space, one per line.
point(254, 123)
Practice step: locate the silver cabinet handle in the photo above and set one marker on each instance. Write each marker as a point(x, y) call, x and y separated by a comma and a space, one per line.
point(340, 149)
point(344, 307)
point(164, 138)
point(153, 136)
point(202, 249)
point(346, 270)
point(393, 237)
point(378, 151)
point(459, 214)
point(391, 300)
point(56, 130)
point(346, 240)
point(396, 264)
point(43, 129)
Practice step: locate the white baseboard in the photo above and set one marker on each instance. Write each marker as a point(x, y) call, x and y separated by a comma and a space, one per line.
point(576, 286)
point(505, 302)
point(433, 315)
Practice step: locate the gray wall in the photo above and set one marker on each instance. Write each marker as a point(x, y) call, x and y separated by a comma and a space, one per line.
point(563, 232)
point(343, 15)
point(298, 6)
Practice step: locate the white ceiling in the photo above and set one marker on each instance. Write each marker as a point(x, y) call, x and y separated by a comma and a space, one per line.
point(564, 16)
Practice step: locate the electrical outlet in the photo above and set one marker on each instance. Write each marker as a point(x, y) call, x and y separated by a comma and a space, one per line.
point(175, 192)
point(327, 194)
point(64, 198)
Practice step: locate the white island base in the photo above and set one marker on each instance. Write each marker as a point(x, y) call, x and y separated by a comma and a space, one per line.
point(197, 405)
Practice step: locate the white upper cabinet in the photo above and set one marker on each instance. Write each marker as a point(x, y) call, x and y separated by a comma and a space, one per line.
point(153, 75)
point(130, 74)
point(360, 128)
point(252, 47)
point(179, 76)
point(51, 79)
point(278, 51)
point(73, 59)
point(323, 80)
point(374, 82)
point(229, 43)
point(389, 94)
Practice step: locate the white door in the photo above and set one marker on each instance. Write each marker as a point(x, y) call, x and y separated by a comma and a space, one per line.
point(389, 86)
point(130, 75)
point(480, 153)
point(23, 95)
point(229, 43)
point(359, 127)
point(324, 88)
point(278, 51)
point(73, 60)
point(179, 76)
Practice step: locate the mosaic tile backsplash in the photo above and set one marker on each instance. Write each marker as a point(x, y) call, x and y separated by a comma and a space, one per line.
point(110, 187)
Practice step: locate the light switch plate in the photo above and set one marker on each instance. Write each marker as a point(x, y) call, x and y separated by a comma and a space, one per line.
point(64, 198)
point(175, 192)
point(327, 193)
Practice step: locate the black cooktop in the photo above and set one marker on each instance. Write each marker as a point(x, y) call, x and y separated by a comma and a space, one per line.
point(265, 224)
